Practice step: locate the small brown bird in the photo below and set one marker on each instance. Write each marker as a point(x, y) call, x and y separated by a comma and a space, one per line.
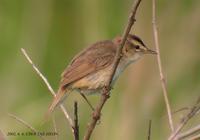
point(90, 70)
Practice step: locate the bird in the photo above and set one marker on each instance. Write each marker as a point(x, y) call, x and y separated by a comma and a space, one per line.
point(89, 70)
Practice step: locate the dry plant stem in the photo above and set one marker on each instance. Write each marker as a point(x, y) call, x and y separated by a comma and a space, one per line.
point(149, 131)
point(55, 128)
point(106, 91)
point(197, 137)
point(27, 125)
point(49, 87)
point(162, 78)
point(180, 110)
point(76, 126)
point(195, 109)
point(188, 133)
point(2, 137)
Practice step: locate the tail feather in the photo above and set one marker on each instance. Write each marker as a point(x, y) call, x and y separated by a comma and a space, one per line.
point(60, 96)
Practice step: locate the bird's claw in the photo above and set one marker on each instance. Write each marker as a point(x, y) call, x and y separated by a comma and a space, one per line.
point(96, 115)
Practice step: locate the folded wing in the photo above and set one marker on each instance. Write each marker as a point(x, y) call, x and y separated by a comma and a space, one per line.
point(94, 58)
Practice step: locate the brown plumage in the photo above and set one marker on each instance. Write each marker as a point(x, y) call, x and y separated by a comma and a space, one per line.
point(88, 61)
point(89, 71)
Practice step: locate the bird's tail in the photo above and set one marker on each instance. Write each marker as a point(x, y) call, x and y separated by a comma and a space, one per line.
point(60, 96)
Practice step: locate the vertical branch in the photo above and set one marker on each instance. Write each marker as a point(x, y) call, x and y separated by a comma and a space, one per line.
point(131, 21)
point(162, 78)
point(149, 131)
point(76, 126)
point(49, 87)
point(106, 90)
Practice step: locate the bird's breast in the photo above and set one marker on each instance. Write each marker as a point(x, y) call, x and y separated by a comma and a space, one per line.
point(92, 82)
point(96, 81)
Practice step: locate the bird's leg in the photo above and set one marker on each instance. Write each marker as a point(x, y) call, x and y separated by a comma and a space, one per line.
point(106, 90)
point(93, 114)
point(84, 97)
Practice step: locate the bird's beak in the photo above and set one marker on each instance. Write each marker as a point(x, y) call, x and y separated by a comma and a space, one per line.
point(149, 51)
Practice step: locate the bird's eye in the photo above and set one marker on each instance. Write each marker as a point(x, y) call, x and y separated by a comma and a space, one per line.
point(137, 47)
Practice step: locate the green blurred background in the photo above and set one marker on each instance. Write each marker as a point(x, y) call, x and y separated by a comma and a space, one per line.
point(53, 31)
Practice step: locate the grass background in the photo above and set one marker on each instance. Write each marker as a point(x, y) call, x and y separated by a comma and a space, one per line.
point(53, 31)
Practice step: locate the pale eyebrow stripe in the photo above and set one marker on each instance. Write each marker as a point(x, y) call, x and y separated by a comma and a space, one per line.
point(136, 38)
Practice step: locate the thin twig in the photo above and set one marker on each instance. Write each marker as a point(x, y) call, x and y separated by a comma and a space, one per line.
point(76, 125)
point(188, 133)
point(162, 78)
point(106, 91)
point(194, 110)
point(2, 137)
point(149, 131)
point(197, 137)
point(38, 72)
point(27, 125)
point(180, 110)
point(55, 128)
point(49, 87)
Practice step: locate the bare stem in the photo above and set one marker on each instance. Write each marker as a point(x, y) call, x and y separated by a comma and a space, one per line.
point(149, 131)
point(194, 111)
point(197, 137)
point(76, 126)
point(49, 88)
point(27, 125)
point(106, 92)
point(55, 128)
point(188, 133)
point(2, 137)
point(162, 78)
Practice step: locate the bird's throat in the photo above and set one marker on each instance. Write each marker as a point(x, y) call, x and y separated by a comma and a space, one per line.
point(123, 64)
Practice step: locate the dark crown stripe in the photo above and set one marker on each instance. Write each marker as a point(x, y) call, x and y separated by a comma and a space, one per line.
point(136, 38)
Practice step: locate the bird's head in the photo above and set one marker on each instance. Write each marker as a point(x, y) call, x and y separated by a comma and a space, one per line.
point(134, 47)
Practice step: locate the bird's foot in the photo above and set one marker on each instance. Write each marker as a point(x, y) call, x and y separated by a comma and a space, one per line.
point(106, 91)
point(96, 115)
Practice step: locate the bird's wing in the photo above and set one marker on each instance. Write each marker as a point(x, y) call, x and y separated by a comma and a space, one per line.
point(96, 57)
